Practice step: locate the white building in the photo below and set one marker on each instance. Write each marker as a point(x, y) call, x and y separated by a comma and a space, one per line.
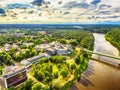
point(42, 32)
point(55, 48)
point(7, 47)
point(42, 47)
point(36, 58)
point(28, 44)
point(18, 34)
point(25, 63)
point(51, 51)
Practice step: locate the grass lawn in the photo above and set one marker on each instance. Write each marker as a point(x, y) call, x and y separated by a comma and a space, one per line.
point(60, 82)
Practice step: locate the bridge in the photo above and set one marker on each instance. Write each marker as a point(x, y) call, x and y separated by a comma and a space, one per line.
point(112, 62)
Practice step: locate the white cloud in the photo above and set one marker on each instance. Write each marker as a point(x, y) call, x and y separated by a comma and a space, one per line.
point(113, 3)
point(6, 2)
point(104, 10)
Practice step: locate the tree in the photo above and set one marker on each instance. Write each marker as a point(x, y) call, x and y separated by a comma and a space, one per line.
point(58, 59)
point(73, 66)
point(55, 74)
point(85, 55)
point(1, 70)
point(77, 60)
point(36, 86)
point(48, 79)
point(28, 84)
point(113, 36)
point(23, 46)
point(78, 77)
point(6, 58)
point(64, 73)
point(63, 41)
point(11, 52)
point(49, 68)
point(11, 88)
point(39, 75)
point(46, 87)
point(74, 42)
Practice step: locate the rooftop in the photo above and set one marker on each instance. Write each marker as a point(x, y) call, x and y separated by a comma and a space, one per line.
point(10, 70)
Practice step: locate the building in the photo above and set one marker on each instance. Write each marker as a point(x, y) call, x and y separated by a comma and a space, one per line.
point(61, 51)
point(36, 58)
point(42, 32)
point(7, 47)
point(15, 46)
point(42, 47)
point(28, 44)
point(51, 51)
point(18, 34)
point(15, 76)
point(55, 48)
point(26, 63)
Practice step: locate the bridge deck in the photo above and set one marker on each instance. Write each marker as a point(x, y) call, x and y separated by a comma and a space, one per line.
point(106, 55)
point(106, 58)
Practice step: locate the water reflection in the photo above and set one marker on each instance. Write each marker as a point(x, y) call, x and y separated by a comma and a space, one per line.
point(100, 76)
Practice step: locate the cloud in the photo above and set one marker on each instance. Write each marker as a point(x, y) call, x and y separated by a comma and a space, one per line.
point(37, 2)
point(70, 5)
point(95, 2)
point(17, 5)
point(113, 16)
point(60, 10)
point(2, 11)
point(4, 3)
point(103, 6)
point(116, 10)
point(105, 12)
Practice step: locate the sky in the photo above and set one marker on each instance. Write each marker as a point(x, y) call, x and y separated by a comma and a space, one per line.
point(59, 11)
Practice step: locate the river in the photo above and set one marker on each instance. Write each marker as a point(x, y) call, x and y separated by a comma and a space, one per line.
point(100, 76)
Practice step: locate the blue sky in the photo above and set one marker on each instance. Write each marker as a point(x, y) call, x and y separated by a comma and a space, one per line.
point(59, 11)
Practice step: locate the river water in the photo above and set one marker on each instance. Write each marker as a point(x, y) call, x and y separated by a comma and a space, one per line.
point(100, 76)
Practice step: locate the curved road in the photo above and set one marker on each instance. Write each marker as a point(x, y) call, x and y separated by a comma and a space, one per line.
point(100, 76)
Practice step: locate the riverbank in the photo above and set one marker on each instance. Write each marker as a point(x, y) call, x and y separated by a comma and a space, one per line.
point(113, 43)
point(113, 37)
point(100, 76)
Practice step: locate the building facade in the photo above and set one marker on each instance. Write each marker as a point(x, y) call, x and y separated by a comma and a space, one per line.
point(15, 78)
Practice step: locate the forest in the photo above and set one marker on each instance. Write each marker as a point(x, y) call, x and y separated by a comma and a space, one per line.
point(113, 37)
point(81, 38)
